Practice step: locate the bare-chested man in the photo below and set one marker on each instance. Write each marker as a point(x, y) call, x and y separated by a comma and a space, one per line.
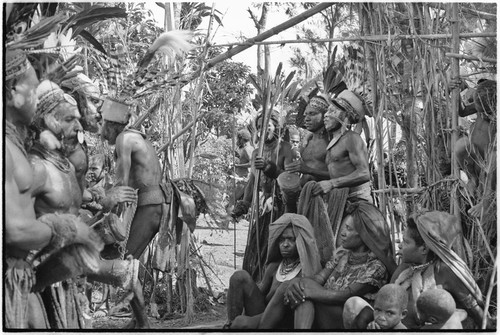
point(312, 164)
point(23, 232)
point(271, 164)
point(346, 157)
point(137, 166)
point(242, 168)
point(56, 190)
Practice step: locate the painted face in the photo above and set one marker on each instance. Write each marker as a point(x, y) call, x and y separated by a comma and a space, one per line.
point(288, 248)
point(68, 116)
point(411, 253)
point(349, 236)
point(387, 313)
point(24, 96)
point(334, 117)
point(313, 119)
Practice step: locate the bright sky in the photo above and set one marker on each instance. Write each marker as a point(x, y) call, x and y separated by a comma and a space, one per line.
point(237, 23)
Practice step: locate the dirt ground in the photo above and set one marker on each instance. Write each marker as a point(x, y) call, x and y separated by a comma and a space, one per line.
point(222, 252)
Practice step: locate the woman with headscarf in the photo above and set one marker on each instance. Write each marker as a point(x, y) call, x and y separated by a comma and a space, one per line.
point(429, 261)
point(292, 253)
point(360, 268)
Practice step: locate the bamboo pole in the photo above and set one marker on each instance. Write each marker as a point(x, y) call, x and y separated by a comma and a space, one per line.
point(455, 100)
point(467, 57)
point(198, 101)
point(371, 38)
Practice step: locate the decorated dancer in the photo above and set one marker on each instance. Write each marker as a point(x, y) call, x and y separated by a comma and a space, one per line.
point(56, 190)
point(292, 252)
point(23, 232)
point(346, 158)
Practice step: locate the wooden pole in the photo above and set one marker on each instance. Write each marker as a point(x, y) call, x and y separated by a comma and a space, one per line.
point(371, 38)
point(268, 33)
point(467, 57)
point(455, 100)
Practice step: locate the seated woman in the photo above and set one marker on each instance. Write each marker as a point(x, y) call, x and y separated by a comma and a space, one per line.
point(292, 253)
point(429, 262)
point(363, 266)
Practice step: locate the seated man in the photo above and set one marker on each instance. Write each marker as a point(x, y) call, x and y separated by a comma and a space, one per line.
point(430, 262)
point(292, 252)
point(437, 309)
point(388, 310)
point(361, 268)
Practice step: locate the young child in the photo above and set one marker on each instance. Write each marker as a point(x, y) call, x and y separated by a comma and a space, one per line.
point(390, 308)
point(436, 308)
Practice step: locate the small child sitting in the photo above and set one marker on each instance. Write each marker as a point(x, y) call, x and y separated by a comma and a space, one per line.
point(436, 308)
point(390, 308)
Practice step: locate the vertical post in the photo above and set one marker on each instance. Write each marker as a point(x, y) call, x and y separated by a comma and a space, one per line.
point(455, 96)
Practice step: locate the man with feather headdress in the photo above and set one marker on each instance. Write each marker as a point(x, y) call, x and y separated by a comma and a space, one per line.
point(55, 190)
point(24, 233)
point(346, 157)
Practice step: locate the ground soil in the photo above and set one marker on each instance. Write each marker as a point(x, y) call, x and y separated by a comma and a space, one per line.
point(222, 252)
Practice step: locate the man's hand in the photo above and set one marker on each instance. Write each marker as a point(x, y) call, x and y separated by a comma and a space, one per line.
point(259, 163)
point(118, 194)
point(296, 166)
point(322, 187)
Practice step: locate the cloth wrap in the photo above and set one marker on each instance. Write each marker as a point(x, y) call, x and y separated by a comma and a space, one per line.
point(440, 232)
point(314, 209)
point(371, 226)
point(304, 240)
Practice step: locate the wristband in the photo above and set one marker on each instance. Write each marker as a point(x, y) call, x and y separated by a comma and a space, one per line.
point(63, 228)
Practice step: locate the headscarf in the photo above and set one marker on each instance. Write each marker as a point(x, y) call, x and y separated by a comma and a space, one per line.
point(304, 240)
point(371, 226)
point(275, 116)
point(440, 231)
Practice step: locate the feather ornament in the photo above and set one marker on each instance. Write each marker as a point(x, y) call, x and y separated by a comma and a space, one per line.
point(170, 43)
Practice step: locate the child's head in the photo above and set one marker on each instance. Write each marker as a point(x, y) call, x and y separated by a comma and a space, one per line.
point(390, 306)
point(435, 306)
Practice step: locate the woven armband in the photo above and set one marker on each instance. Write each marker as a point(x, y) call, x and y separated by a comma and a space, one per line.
point(63, 228)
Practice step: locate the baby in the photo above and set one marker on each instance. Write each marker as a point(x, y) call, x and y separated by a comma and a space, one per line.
point(390, 308)
point(436, 308)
